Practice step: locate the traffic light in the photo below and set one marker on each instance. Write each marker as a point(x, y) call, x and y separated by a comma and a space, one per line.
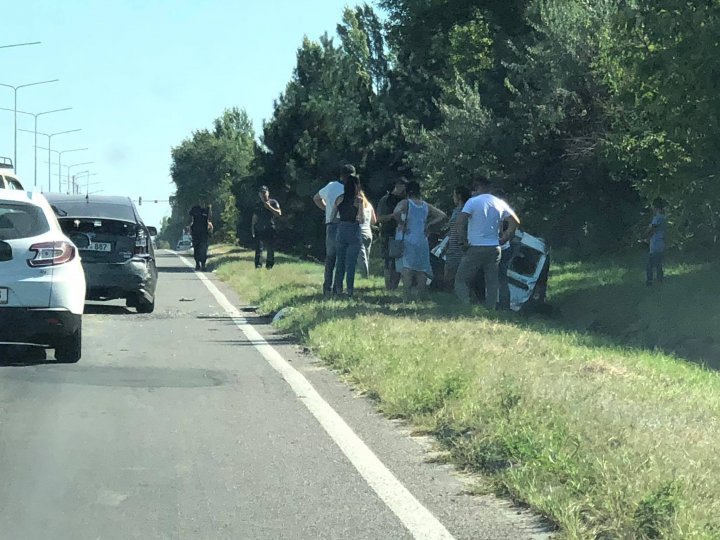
point(140, 201)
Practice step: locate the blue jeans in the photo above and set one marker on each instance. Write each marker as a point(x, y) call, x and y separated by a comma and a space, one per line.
point(654, 267)
point(330, 255)
point(349, 242)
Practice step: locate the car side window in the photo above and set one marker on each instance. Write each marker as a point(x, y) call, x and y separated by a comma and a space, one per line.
point(14, 184)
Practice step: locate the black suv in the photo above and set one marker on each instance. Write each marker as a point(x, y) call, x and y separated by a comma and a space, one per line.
point(115, 246)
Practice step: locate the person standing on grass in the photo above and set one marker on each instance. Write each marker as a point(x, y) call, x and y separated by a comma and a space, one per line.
point(263, 227)
point(386, 206)
point(483, 215)
point(367, 236)
point(200, 229)
point(325, 200)
point(656, 236)
point(414, 217)
point(349, 209)
point(454, 252)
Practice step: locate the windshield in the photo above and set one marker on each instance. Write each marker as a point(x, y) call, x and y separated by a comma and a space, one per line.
point(19, 220)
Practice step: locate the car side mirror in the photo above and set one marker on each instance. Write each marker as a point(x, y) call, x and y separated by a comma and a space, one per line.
point(152, 231)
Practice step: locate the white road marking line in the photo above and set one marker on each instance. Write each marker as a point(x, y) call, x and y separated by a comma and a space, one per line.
point(418, 520)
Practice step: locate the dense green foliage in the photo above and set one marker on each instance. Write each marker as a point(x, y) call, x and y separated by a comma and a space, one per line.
point(581, 111)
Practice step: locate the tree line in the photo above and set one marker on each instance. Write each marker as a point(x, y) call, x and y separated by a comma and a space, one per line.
point(580, 111)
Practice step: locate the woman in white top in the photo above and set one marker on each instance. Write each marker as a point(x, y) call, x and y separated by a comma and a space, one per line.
point(367, 236)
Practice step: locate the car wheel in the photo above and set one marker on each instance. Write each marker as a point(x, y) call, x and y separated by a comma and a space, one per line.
point(69, 349)
point(143, 306)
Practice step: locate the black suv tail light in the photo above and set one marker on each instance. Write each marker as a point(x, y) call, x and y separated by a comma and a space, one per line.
point(141, 243)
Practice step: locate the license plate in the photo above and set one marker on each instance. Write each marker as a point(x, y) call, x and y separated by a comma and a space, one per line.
point(99, 246)
point(3, 295)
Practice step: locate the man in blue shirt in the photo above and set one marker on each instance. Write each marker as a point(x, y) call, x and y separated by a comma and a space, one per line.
point(656, 235)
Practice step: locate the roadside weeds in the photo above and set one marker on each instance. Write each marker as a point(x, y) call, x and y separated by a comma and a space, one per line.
point(606, 441)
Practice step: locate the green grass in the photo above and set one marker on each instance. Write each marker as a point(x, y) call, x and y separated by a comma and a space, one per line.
point(606, 439)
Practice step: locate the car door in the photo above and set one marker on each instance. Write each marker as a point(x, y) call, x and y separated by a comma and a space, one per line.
point(22, 226)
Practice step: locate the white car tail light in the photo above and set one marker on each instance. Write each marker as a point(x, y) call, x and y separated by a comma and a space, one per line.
point(51, 254)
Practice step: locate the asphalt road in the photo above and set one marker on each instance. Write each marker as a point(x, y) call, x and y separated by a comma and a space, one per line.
point(175, 425)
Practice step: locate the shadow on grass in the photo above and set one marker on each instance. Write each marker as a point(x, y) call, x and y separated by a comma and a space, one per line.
point(679, 317)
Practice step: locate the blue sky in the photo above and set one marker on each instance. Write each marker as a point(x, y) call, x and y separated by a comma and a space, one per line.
point(141, 75)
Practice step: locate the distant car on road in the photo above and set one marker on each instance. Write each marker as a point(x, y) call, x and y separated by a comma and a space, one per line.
point(8, 180)
point(117, 254)
point(42, 284)
point(183, 245)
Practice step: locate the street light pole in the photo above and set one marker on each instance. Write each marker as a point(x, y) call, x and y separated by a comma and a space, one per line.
point(35, 115)
point(68, 167)
point(15, 91)
point(20, 44)
point(60, 153)
point(49, 146)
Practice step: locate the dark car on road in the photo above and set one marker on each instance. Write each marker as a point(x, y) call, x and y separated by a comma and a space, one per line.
point(115, 246)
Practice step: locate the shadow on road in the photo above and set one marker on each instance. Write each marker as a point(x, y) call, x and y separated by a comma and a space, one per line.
point(175, 270)
point(107, 309)
point(19, 356)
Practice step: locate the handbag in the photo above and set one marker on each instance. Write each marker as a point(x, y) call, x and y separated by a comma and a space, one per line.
point(396, 248)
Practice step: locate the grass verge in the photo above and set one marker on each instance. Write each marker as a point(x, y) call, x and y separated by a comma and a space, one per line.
point(605, 440)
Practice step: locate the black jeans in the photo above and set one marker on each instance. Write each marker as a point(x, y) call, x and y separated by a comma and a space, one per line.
point(265, 240)
point(200, 249)
point(654, 268)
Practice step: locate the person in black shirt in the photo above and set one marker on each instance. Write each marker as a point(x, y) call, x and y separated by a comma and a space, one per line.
point(385, 209)
point(200, 229)
point(263, 227)
point(349, 208)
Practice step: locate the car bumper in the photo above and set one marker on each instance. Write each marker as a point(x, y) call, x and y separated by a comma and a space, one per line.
point(36, 326)
point(107, 281)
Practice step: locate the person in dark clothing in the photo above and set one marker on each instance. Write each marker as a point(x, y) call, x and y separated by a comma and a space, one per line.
point(385, 208)
point(263, 228)
point(200, 229)
point(349, 208)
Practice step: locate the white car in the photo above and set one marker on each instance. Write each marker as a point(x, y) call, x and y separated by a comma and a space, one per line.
point(183, 245)
point(42, 283)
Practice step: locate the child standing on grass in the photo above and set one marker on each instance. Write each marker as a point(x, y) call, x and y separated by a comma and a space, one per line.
point(656, 235)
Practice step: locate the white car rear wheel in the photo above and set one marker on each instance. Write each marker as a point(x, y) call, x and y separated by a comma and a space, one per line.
point(69, 349)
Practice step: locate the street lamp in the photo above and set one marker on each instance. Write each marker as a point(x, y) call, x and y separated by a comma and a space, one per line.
point(68, 167)
point(15, 90)
point(49, 146)
point(20, 44)
point(59, 153)
point(87, 182)
point(36, 131)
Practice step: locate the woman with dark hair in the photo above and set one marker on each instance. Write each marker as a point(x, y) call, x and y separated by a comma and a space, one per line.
point(350, 208)
point(454, 252)
point(415, 217)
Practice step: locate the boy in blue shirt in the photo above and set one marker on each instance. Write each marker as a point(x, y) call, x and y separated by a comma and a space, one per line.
point(656, 235)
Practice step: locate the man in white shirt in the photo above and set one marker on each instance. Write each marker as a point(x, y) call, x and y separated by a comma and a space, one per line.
point(325, 201)
point(483, 214)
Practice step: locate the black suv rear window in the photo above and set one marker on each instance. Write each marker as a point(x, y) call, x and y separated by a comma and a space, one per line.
point(82, 209)
point(18, 220)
